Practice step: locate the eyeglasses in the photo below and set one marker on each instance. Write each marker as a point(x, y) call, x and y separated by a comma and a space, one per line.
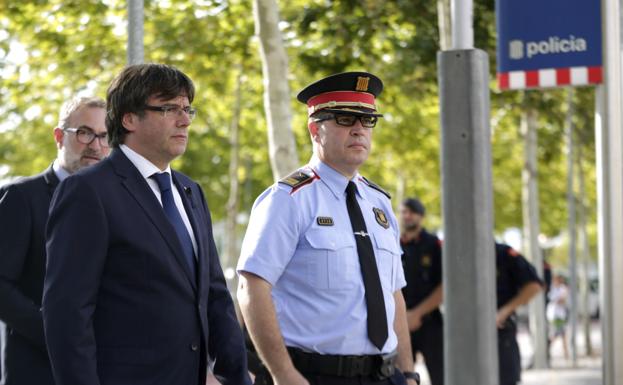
point(173, 110)
point(86, 136)
point(348, 120)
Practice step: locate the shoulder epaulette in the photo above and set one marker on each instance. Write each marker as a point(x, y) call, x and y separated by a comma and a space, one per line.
point(299, 178)
point(376, 187)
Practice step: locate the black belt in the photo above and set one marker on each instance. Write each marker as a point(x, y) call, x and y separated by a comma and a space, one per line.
point(379, 366)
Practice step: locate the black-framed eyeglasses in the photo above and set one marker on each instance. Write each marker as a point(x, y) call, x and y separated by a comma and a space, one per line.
point(349, 120)
point(86, 136)
point(173, 110)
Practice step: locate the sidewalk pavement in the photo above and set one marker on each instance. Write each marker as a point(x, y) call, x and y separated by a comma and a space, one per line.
point(561, 372)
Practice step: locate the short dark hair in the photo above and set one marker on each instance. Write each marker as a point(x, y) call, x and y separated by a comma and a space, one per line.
point(414, 205)
point(130, 90)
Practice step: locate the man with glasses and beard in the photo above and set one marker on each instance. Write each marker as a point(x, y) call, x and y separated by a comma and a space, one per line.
point(421, 260)
point(320, 272)
point(81, 141)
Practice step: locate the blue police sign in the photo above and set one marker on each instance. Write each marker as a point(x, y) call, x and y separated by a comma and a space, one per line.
point(548, 43)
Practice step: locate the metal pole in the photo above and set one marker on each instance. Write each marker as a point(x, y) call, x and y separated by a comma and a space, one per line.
point(470, 337)
point(610, 192)
point(135, 32)
point(572, 228)
point(470, 347)
point(462, 24)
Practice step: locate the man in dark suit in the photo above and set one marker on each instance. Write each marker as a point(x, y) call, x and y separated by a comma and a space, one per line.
point(81, 140)
point(134, 291)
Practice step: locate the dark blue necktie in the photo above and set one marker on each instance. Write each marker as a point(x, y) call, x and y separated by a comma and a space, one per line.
point(173, 214)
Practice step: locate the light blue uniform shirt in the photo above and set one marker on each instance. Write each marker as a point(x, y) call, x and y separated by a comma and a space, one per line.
point(313, 263)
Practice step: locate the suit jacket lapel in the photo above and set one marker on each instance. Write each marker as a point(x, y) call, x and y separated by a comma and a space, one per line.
point(136, 185)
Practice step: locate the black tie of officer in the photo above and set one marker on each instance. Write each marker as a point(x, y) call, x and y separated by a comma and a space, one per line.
point(377, 319)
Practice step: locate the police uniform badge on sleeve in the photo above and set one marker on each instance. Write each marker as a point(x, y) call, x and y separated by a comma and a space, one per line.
point(380, 217)
point(426, 261)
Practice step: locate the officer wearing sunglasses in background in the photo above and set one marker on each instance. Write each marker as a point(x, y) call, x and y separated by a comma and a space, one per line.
point(81, 141)
point(320, 268)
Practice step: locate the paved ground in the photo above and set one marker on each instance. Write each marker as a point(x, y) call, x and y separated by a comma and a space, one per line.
point(586, 372)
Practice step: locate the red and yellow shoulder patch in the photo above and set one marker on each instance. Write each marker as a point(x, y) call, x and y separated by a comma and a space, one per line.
point(300, 178)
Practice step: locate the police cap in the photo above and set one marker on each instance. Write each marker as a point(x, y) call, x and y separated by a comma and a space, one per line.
point(353, 92)
point(414, 205)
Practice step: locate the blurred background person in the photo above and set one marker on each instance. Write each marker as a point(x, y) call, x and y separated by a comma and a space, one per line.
point(517, 283)
point(557, 311)
point(81, 141)
point(421, 261)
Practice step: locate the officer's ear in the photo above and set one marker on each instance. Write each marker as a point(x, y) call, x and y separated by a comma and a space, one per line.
point(313, 128)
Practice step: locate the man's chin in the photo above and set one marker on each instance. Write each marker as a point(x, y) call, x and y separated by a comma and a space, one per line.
point(85, 162)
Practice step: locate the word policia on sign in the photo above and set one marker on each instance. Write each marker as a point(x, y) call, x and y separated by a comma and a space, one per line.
point(518, 49)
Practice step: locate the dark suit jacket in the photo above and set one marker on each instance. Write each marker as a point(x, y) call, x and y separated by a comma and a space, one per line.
point(24, 208)
point(119, 304)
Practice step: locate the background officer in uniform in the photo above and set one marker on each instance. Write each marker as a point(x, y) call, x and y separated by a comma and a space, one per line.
point(421, 260)
point(517, 284)
point(320, 271)
point(81, 140)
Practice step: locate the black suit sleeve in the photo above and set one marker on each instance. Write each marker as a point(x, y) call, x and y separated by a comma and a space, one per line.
point(17, 310)
point(77, 237)
point(225, 341)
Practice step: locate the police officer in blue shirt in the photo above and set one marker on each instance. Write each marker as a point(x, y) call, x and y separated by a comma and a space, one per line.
point(517, 283)
point(423, 294)
point(320, 270)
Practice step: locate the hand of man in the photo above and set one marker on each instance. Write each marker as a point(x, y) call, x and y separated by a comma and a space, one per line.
point(501, 316)
point(290, 378)
point(414, 320)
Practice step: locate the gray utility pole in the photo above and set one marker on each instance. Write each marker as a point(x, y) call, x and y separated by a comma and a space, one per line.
point(470, 348)
point(135, 32)
point(609, 145)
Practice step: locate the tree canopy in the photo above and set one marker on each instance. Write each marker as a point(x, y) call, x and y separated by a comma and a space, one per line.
point(50, 49)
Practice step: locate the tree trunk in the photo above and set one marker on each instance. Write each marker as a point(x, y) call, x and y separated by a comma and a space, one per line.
point(400, 191)
point(586, 255)
point(281, 143)
point(231, 248)
point(531, 230)
point(572, 227)
point(444, 23)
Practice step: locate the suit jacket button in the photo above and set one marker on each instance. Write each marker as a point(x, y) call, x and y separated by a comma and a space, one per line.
point(194, 347)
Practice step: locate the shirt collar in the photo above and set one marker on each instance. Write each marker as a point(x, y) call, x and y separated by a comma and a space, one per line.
point(144, 166)
point(334, 180)
point(60, 172)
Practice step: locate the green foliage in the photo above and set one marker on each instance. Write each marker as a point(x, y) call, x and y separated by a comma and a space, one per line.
point(78, 46)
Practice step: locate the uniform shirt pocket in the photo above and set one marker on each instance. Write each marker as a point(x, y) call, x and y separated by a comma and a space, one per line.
point(332, 261)
point(387, 252)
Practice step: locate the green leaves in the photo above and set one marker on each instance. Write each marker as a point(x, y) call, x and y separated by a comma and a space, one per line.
point(51, 49)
